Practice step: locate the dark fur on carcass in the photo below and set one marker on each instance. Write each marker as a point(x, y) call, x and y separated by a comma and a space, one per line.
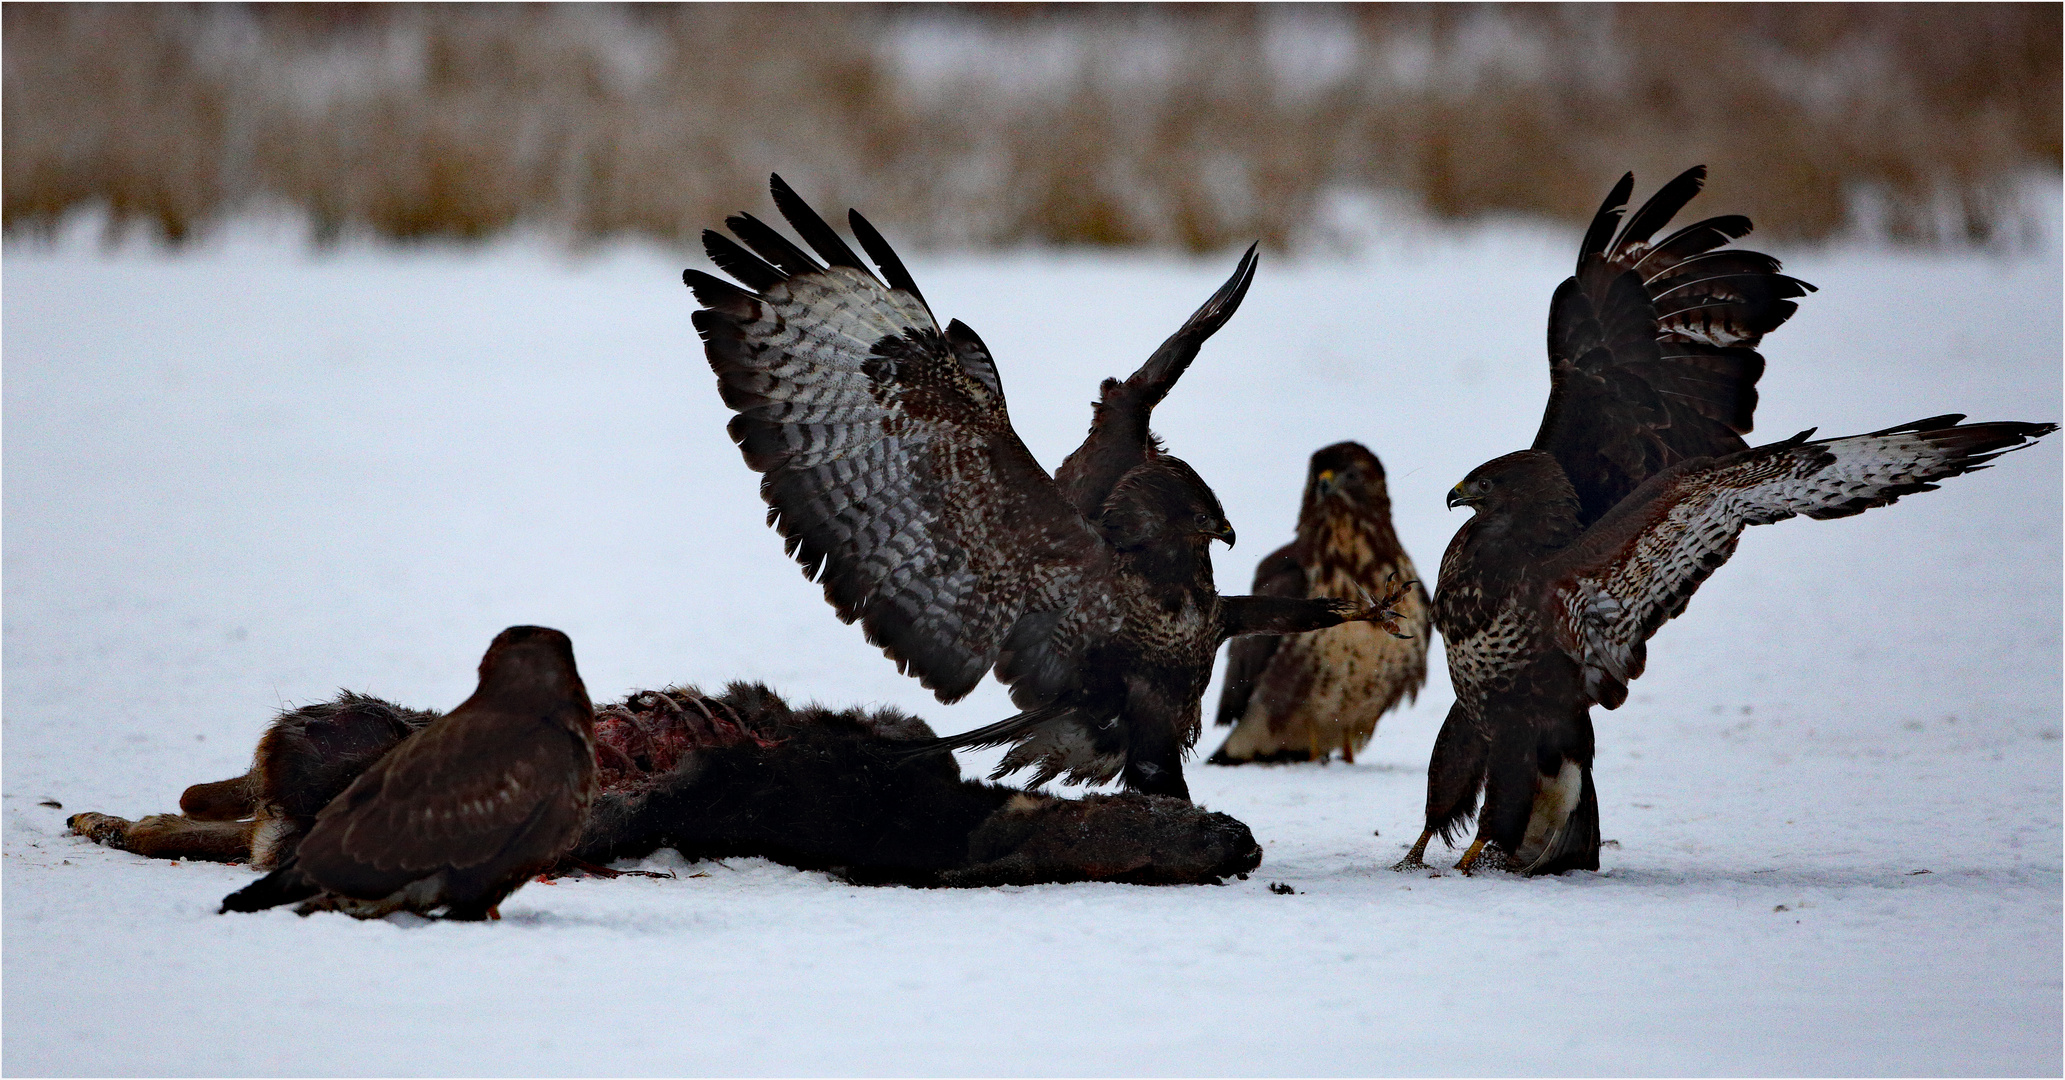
point(736, 774)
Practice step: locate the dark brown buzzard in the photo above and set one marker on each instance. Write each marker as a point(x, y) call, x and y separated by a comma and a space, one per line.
point(461, 815)
point(892, 471)
point(1304, 697)
point(1638, 486)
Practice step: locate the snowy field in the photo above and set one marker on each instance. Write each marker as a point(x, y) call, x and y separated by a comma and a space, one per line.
point(242, 477)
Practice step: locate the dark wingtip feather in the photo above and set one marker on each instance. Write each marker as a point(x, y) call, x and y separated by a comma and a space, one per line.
point(1606, 220)
point(1174, 355)
point(1700, 236)
point(740, 263)
point(1982, 442)
point(879, 250)
point(1927, 423)
point(1249, 259)
point(1661, 207)
point(1213, 314)
point(771, 244)
point(715, 292)
point(811, 227)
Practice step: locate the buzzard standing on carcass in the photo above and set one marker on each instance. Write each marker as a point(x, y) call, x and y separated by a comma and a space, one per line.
point(1637, 487)
point(892, 471)
point(465, 811)
point(1301, 698)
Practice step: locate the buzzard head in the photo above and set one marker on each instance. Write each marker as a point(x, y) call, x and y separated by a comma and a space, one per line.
point(1163, 501)
point(1346, 473)
point(1526, 483)
point(533, 665)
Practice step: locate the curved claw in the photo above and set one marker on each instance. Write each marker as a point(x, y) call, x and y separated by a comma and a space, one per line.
point(1479, 857)
point(1380, 612)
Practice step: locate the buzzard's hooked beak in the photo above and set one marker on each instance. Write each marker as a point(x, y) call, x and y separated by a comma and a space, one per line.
point(1325, 483)
point(1460, 496)
point(1225, 534)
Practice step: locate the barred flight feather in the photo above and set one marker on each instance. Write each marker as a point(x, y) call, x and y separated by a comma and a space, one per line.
point(1639, 566)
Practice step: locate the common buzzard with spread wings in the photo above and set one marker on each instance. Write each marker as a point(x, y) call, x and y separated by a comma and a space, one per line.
point(464, 813)
point(1304, 697)
point(891, 469)
point(1637, 487)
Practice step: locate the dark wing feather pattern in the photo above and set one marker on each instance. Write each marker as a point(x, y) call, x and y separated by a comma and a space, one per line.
point(879, 250)
point(1119, 438)
point(890, 464)
point(1640, 565)
point(1248, 656)
point(1653, 346)
point(459, 795)
point(822, 239)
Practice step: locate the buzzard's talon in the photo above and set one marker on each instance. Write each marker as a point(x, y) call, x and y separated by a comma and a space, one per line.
point(1416, 858)
point(1379, 611)
point(1468, 862)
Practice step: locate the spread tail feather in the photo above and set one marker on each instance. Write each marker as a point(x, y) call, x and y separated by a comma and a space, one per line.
point(1002, 731)
point(1575, 844)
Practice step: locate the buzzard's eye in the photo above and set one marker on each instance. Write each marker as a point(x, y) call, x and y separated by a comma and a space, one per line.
point(1203, 522)
point(1482, 484)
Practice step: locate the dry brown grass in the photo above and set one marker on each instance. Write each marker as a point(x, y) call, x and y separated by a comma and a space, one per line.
point(1192, 127)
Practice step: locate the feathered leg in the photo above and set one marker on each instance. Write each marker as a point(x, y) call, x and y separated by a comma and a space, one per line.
point(1154, 762)
point(1510, 780)
point(1455, 775)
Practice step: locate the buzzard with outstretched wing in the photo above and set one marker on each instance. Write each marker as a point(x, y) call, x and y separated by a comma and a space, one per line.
point(891, 469)
point(1305, 697)
point(1637, 488)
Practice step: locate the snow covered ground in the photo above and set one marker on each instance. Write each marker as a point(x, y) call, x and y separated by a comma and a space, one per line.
point(245, 476)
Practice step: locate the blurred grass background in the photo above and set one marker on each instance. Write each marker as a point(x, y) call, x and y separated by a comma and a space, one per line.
point(1193, 127)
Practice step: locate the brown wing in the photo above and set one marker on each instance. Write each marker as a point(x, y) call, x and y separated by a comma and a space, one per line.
point(1652, 345)
point(475, 790)
point(1119, 438)
point(890, 465)
point(1639, 566)
point(1248, 656)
